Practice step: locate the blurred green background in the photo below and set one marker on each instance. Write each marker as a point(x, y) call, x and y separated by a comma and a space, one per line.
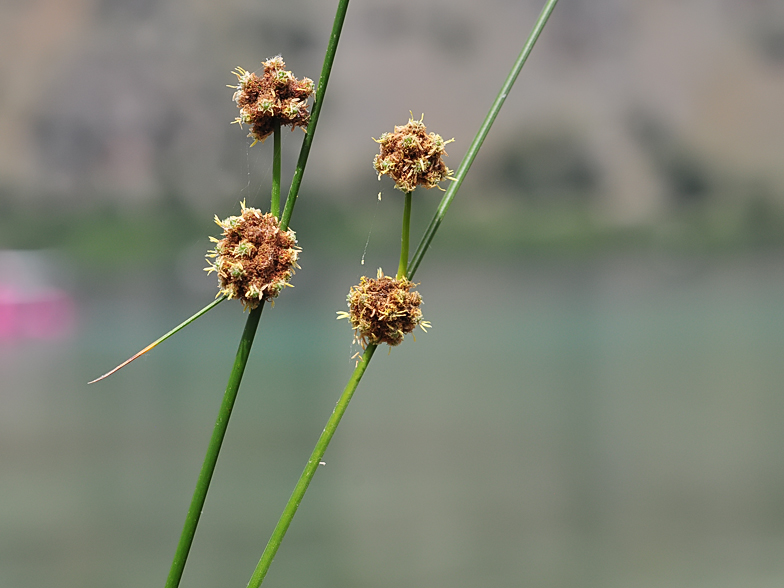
point(599, 400)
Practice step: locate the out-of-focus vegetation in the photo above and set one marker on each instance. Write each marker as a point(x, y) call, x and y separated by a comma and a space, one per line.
point(644, 124)
point(557, 218)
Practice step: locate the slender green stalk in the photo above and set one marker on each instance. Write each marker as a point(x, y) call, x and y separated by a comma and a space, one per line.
point(473, 149)
point(321, 446)
point(275, 201)
point(213, 449)
point(222, 422)
point(182, 325)
point(326, 70)
point(310, 469)
point(405, 238)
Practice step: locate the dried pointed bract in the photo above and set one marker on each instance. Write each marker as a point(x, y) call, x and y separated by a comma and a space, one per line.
point(255, 259)
point(411, 156)
point(276, 95)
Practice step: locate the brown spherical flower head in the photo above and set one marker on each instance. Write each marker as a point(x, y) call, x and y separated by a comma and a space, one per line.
point(383, 310)
point(255, 259)
point(411, 156)
point(275, 96)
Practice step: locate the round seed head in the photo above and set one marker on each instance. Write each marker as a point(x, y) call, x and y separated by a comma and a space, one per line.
point(275, 95)
point(383, 310)
point(255, 259)
point(411, 156)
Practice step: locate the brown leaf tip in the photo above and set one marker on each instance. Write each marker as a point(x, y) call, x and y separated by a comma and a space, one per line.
point(255, 259)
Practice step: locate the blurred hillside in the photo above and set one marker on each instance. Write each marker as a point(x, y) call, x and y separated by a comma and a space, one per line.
point(659, 118)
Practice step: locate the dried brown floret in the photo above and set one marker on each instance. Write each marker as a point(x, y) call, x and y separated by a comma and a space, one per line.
point(255, 259)
point(275, 96)
point(383, 310)
point(411, 156)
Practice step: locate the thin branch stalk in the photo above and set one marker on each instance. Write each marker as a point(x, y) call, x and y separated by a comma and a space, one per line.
point(405, 238)
point(275, 199)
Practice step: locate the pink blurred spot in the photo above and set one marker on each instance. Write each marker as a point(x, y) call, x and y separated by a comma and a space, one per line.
point(31, 309)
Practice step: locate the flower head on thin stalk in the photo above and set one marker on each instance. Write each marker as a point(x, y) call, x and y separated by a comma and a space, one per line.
point(255, 259)
point(383, 310)
point(275, 96)
point(411, 156)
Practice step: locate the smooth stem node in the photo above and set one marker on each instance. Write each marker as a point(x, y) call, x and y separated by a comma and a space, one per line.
point(275, 200)
point(405, 238)
point(310, 469)
point(213, 449)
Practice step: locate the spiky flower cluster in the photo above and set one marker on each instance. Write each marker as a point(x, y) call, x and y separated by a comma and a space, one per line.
point(275, 96)
point(383, 310)
point(255, 259)
point(411, 156)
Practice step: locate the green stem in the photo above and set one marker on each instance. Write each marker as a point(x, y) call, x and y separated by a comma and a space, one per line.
point(321, 446)
point(202, 485)
point(473, 149)
point(405, 238)
point(213, 449)
point(275, 201)
point(310, 469)
point(326, 69)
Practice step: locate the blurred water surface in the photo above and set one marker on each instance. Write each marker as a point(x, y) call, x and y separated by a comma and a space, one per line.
point(614, 422)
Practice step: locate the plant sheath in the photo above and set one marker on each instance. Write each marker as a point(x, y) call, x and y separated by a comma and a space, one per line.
point(213, 449)
point(310, 469)
point(473, 149)
point(405, 238)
